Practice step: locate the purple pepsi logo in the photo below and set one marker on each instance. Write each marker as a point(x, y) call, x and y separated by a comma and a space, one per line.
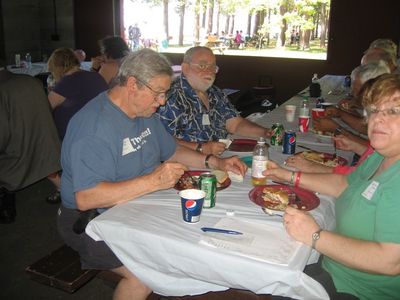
point(292, 140)
point(190, 205)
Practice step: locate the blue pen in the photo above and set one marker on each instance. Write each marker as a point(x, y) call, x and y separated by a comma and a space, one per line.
point(219, 230)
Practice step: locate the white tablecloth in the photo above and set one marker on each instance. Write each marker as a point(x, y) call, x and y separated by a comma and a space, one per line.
point(36, 68)
point(150, 238)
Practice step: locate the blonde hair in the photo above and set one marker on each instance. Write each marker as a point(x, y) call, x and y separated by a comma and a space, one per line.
point(61, 61)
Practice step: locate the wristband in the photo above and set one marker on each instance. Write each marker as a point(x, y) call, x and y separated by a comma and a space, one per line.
point(292, 178)
point(297, 180)
point(199, 147)
point(206, 161)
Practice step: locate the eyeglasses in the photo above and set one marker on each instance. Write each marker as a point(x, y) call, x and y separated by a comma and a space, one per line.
point(206, 67)
point(388, 112)
point(158, 95)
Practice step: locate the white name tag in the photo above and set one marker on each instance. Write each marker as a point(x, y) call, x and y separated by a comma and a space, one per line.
point(370, 190)
point(206, 119)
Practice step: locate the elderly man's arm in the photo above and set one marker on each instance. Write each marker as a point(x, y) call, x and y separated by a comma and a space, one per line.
point(195, 159)
point(244, 127)
point(107, 194)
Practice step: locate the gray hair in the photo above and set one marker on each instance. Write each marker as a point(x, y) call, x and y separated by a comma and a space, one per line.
point(369, 71)
point(385, 44)
point(187, 58)
point(372, 56)
point(144, 65)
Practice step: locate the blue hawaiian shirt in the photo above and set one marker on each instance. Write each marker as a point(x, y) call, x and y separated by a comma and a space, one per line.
point(184, 112)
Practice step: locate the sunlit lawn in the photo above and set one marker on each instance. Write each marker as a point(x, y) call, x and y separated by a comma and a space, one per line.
point(315, 52)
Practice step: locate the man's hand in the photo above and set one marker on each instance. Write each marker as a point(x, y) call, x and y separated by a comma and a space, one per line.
point(233, 164)
point(167, 174)
point(215, 148)
point(325, 124)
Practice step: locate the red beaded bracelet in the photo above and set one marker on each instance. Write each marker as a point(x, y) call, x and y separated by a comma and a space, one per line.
point(297, 180)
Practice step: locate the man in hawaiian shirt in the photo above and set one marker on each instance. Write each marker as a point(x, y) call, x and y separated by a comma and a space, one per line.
point(197, 112)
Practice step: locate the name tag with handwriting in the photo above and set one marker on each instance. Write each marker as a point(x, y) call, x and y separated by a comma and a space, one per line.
point(206, 119)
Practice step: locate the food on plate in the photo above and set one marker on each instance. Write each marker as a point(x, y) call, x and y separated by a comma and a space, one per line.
point(275, 198)
point(320, 158)
point(188, 182)
point(220, 175)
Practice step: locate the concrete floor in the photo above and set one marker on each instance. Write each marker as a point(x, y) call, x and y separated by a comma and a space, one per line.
point(34, 235)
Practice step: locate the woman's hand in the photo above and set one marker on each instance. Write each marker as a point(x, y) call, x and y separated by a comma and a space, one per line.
point(276, 173)
point(300, 225)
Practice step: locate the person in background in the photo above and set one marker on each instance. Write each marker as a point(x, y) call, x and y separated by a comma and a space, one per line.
point(382, 49)
point(359, 76)
point(73, 87)
point(80, 55)
point(112, 154)
point(361, 257)
point(197, 112)
point(112, 50)
point(29, 144)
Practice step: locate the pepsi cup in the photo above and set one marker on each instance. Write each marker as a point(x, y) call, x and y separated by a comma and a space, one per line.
point(192, 203)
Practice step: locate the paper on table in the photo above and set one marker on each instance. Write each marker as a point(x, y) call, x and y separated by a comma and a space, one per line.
point(255, 242)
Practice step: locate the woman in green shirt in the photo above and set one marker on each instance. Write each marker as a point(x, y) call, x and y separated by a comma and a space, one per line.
point(362, 256)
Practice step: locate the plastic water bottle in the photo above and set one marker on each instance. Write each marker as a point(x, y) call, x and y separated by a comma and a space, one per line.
point(28, 59)
point(304, 109)
point(259, 164)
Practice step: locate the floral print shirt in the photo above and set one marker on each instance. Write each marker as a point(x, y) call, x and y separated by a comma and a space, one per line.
point(186, 117)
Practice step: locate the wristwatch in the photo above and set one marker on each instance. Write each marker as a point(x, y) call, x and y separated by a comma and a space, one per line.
point(199, 147)
point(315, 237)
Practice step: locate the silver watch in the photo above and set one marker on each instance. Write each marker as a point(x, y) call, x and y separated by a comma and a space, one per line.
point(315, 237)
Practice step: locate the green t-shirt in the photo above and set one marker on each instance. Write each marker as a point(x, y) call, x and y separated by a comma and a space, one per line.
point(369, 209)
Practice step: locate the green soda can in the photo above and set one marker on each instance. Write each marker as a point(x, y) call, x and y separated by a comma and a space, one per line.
point(208, 184)
point(277, 134)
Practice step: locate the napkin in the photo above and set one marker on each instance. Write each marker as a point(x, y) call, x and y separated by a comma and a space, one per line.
point(262, 242)
point(227, 142)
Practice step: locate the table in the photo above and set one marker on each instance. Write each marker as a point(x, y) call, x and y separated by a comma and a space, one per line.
point(41, 67)
point(150, 238)
point(36, 68)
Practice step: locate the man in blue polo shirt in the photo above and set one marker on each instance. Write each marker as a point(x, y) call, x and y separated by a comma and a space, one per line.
point(112, 153)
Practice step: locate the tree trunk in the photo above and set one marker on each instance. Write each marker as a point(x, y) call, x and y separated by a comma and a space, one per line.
point(232, 24)
point(210, 16)
point(249, 16)
point(256, 23)
point(197, 22)
point(218, 16)
point(306, 39)
point(182, 9)
point(227, 20)
point(282, 36)
point(166, 29)
point(323, 25)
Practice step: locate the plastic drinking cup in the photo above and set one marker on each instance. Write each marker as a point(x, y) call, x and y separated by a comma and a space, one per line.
point(290, 111)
